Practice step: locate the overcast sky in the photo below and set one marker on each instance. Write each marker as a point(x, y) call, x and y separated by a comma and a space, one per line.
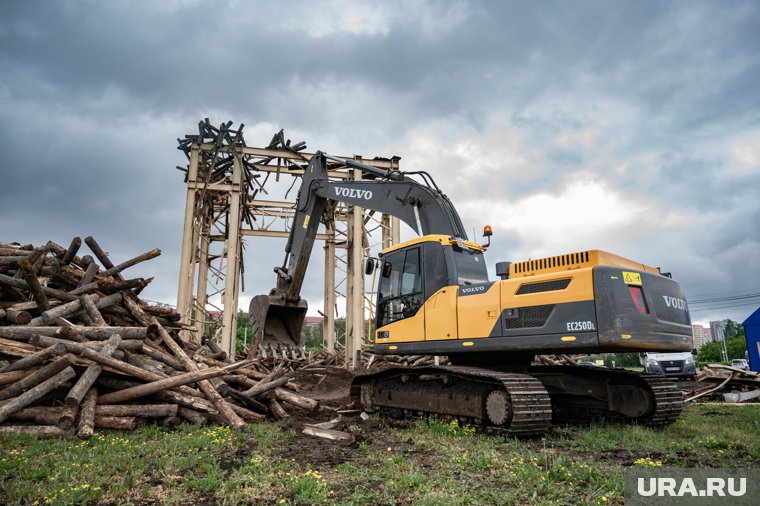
point(632, 127)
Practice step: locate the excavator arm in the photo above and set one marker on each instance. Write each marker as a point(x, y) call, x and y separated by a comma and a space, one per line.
point(277, 318)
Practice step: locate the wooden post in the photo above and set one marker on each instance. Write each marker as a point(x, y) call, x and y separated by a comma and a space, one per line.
point(328, 325)
point(229, 318)
point(201, 298)
point(186, 266)
point(355, 283)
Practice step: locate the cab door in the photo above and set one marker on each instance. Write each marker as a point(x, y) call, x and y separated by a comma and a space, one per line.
point(400, 299)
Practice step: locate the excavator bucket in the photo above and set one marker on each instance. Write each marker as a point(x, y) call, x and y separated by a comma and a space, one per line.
point(276, 323)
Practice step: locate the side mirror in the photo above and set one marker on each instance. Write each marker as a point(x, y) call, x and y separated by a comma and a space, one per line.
point(642, 354)
point(369, 266)
point(694, 351)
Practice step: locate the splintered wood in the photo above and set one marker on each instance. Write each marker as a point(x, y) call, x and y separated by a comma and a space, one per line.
point(80, 351)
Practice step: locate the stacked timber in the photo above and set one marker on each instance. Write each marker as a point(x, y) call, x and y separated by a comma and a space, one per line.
point(79, 351)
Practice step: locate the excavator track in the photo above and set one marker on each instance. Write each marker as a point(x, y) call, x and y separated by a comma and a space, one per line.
point(492, 401)
point(583, 394)
point(519, 404)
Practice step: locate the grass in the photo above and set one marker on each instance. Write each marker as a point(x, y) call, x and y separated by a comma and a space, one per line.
point(424, 463)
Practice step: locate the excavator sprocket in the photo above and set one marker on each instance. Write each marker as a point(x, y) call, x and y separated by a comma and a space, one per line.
point(492, 401)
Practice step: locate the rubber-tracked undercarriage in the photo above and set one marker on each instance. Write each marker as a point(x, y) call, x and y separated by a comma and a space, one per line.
point(520, 404)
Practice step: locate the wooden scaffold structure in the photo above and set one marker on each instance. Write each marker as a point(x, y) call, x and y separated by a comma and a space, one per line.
point(228, 189)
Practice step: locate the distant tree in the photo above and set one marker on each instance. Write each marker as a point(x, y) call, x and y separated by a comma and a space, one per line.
point(736, 347)
point(709, 353)
point(732, 329)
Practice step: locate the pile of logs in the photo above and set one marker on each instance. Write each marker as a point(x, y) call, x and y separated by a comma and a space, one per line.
point(79, 350)
point(735, 385)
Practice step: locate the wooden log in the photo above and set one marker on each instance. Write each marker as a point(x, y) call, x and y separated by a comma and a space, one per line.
point(16, 317)
point(248, 401)
point(34, 430)
point(263, 387)
point(78, 391)
point(122, 286)
point(15, 348)
point(250, 373)
point(72, 347)
point(39, 258)
point(192, 416)
point(219, 384)
point(161, 312)
point(71, 252)
point(37, 377)
point(35, 393)
point(101, 255)
point(163, 357)
point(12, 377)
point(2, 314)
point(89, 274)
point(70, 308)
point(208, 389)
point(132, 370)
point(34, 412)
point(132, 261)
point(137, 410)
point(246, 414)
point(86, 426)
point(165, 383)
point(68, 416)
point(277, 410)
point(34, 284)
point(46, 418)
point(93, 333)
point(88, 303)
point(36, 358)
point(115, 422)
point(136, 310)
point(296, 399)
point(59, 251)
point(187, 401)
point(148, 364)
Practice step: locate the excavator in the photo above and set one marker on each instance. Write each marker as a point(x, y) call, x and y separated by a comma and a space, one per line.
point(434, 297)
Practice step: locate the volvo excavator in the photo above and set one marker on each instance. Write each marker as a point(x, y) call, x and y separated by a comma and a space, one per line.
point(435, 298)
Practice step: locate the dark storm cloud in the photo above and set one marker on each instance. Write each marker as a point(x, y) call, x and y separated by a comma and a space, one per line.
point(655, 100)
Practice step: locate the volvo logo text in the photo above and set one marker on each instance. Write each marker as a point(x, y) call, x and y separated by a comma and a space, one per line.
point(473, 289)
point(674, 303)
point(354, 193)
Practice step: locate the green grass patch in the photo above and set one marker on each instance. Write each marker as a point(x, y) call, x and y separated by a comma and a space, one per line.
point(429, 462)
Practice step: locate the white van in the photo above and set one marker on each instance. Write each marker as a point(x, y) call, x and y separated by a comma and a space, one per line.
point(672, 365)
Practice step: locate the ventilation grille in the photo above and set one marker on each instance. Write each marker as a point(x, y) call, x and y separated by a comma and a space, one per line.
point(544, 286)
point(532, 316)
point(571, 259)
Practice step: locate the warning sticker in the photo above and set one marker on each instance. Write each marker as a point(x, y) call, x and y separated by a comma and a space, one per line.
point(632, 278)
